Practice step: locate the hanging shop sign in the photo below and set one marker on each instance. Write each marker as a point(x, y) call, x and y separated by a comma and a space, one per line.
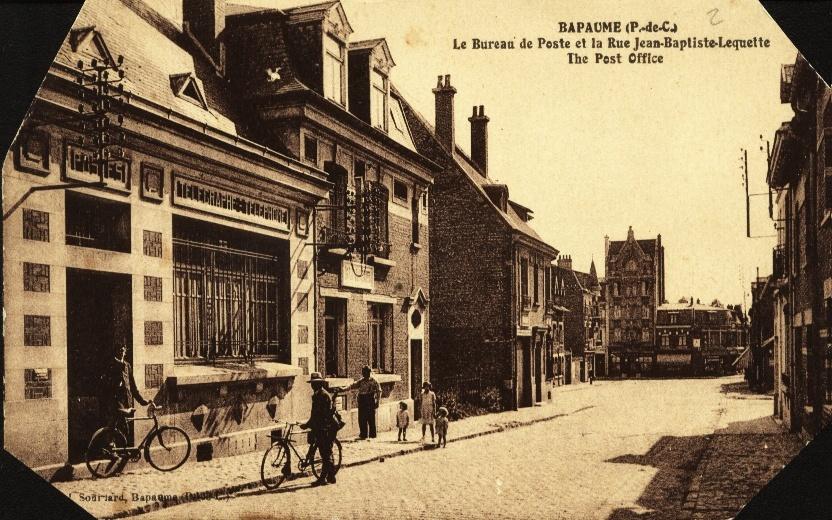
point(197, 195)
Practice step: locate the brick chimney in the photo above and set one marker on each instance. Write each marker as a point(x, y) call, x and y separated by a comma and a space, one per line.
point(565, 261)
point(444, 117)
point(479, 139)
point(205, 19)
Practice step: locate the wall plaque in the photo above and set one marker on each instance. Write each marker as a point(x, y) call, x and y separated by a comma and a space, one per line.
point(153, 182)
point(31, 152)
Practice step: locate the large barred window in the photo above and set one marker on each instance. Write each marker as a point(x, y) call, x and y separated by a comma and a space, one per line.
point(230, 293)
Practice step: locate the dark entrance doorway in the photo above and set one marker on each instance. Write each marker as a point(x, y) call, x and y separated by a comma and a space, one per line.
point(416, 376)
point(99, 317)
point(526, 370)
point(537, 366)
point(335, 352)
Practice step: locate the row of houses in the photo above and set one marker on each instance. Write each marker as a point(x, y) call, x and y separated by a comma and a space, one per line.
point(279, 208)
point(799, 291)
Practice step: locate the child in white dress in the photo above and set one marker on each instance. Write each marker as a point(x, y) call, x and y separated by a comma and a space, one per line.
point(403, 421)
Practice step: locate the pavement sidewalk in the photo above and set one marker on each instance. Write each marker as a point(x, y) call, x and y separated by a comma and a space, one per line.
point(144, 489)
point(740, 458)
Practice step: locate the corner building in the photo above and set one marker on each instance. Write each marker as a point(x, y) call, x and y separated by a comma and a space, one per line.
point(211, 252)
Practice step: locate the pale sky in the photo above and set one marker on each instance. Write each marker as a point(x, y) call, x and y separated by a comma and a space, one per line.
point(595, 148)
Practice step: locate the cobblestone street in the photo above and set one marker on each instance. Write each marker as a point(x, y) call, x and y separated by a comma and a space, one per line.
point(697, 448)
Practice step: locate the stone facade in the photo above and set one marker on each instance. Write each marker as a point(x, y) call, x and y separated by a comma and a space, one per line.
point(634, 277)
point(204, 253)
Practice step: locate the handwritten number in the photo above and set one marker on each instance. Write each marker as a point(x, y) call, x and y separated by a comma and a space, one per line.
point(714, 12)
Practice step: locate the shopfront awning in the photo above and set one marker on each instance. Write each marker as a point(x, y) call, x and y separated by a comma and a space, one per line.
point(743, 359)
point(673, 359)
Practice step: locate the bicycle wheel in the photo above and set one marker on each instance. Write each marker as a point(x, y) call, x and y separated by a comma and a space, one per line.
point(105, 453)
point(273, 468)
point(317, 463)
point(168, 448)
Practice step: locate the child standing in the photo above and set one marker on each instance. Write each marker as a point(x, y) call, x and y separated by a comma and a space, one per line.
point(403, 421)
point(427, 409)
point(442, 426)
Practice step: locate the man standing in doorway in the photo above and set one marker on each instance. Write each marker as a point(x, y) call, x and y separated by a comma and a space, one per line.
point(121, 390)
point(369, 393)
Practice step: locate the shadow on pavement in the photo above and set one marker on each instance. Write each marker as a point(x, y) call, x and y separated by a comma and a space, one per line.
point(715, 475)
point(676, 458)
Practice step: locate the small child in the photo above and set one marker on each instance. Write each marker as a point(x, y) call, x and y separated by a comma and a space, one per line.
point(442, 426)
point(403, 421)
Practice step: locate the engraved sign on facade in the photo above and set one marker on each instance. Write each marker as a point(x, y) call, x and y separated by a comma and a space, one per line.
point(192, 194)
point(79, 165)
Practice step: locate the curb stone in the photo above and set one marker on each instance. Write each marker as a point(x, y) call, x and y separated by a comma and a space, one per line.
point(227, 492)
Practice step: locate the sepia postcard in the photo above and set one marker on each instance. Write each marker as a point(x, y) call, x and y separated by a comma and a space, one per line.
point(418, 259)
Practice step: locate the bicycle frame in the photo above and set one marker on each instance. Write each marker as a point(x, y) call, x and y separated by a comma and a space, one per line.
point(132, 450)
point(289, 444)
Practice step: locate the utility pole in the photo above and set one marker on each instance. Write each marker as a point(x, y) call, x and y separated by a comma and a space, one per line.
point(747, 196)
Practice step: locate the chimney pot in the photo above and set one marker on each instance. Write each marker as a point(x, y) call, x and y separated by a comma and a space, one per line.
point(479, 139)
point(444, 112)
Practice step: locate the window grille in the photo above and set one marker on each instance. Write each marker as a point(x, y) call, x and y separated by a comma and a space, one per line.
point(225, 302)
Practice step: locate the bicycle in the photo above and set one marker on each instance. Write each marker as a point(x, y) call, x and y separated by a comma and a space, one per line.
point(277, 460)
point(165, 448)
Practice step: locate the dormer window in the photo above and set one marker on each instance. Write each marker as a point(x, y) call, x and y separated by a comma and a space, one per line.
point(188, 87)
point(89, 43)
point(378, 100)
point(334, 70)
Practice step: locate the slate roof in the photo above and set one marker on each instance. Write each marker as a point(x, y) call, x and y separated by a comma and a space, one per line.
point(132, 29)
point(647, 245)
point(424, 136)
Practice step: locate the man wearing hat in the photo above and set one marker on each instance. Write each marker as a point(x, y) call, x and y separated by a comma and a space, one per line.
point(323, 427)
point(369, 392)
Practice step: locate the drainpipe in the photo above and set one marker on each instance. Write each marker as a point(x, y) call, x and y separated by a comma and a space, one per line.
point(513, 323)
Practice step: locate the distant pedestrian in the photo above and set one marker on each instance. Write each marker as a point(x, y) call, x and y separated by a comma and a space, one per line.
point(369, 393)
point(427, 410)
point(442, 426)
point(403, 421)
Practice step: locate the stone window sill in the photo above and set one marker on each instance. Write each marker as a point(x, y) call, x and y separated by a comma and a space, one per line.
point(184, 375)
point(383, 262)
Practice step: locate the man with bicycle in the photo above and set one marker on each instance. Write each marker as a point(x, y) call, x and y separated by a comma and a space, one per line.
point(120, 390)
point(323, 427)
